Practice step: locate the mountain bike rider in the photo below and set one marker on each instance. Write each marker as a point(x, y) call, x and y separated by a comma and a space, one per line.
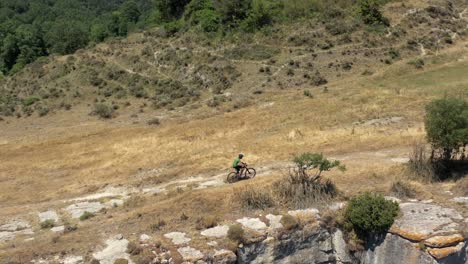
point(238, 164)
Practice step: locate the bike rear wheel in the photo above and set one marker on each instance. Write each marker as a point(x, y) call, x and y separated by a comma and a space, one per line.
point(232, 177)
point(250, 173)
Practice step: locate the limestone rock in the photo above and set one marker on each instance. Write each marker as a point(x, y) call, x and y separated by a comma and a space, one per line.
point(444, 241)
point(420, 221)
point(144, 238)
point(73, 260)
point(306, 213)
point(115, 249)
point(224, 257)
point(217, 231)
point(48, 215)
point(14, 226)
point(339, 246)
point(177, 238)
point(77, 210)
point(393, 250)
point(190, 254)
point(252, 223)
point(440, 253)
point(461, 200)
point(275, 221)
point(58, 229)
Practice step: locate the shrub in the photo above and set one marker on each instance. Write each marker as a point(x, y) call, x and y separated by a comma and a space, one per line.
point(208, 221)
point(420, 165)
point(154, 122)
point(289, 222)
point(158, 225)
point(303, 185)
point(49, 223)
point(307, 93)
point(369, 11)
point(370, 213)
point(402, 189)
point(30, 100)
point(236, 233)
point(254, 198)
point(103, 111)
point(418, 63)
point(446, 124)
point(86, 215)
point(318, 79)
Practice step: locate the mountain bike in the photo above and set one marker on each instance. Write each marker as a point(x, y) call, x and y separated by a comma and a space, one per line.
point(246, 173)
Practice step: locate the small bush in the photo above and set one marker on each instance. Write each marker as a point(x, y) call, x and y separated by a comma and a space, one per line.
point(30, 100)
point(236, 233)
point(47, 224)
point(86, 215)
point(418, 63)
point(158, 225)
point(370, 213)
point(420, 165)
point(289, 222)
point(402, 189)
point(133, 249)
point(154, 122)
point(206, 222)
point(254, 198)
point(103, 111)
point(318, 79)
point(307, 93)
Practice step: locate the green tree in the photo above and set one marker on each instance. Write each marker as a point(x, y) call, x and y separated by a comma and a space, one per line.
point(369, 11)
point(259, 16)
point(370, 213)
point(316, 162)
point(67, 36)
point(232, 11)
point(130, 12)
point(446, 124)
point(171, 9)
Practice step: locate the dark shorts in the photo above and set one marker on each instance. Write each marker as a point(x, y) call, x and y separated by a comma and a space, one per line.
point(238, 168)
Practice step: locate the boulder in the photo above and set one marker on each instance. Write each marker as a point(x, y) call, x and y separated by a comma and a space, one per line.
point(252, 223)
point(420, 221)
point(177, 238)
point(441, 253)
point(115, 249)
point(48, 215)
point(190, 254)
point(444, 241)
point(275, 221)
point(216, 232)
point(224, 257)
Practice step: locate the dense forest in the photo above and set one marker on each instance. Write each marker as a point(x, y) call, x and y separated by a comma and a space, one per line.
point(30, 29)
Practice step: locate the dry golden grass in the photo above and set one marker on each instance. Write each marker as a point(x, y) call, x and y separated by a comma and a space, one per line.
point(70, 155)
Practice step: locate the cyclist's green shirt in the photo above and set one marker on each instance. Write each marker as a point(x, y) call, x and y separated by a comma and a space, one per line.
point(236, 162)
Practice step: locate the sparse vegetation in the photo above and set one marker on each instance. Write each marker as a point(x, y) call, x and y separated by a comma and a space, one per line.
point(289, 222)
point(103, 111)
point(47, 224)
point(236, 233)
point(206, 222)
point(370, 213)
point(251, 197)
point(402, 189)
point(303, 186)
point(86, 215)
point(417, 63)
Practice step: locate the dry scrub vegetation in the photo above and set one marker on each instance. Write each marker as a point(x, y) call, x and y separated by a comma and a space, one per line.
point(366, 121)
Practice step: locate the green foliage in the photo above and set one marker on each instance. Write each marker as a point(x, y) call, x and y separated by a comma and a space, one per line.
point(103, 111)
point(318, 161)
point(259, 16)
point(446, 124)
point(418, 63)
point(49, 223)
point(86, 215)
point(289, 222)
point(369, 11)
point(236, 233)
point(370, 213)
point(30, 100)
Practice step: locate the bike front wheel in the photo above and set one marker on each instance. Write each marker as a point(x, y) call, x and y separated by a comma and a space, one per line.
point(250, 173)
point(231, 178)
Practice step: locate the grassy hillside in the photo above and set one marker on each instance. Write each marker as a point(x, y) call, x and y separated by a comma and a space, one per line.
point(356, 96)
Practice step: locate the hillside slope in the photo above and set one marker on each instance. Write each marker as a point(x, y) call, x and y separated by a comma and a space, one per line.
point(358, 97)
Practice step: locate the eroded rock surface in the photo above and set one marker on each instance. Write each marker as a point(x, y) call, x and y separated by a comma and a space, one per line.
point(115, 249)
point(177, 238)
point(217, 231)
point(78, 209)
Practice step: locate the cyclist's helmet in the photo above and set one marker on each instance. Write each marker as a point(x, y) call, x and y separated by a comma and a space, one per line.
point(241, 156)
